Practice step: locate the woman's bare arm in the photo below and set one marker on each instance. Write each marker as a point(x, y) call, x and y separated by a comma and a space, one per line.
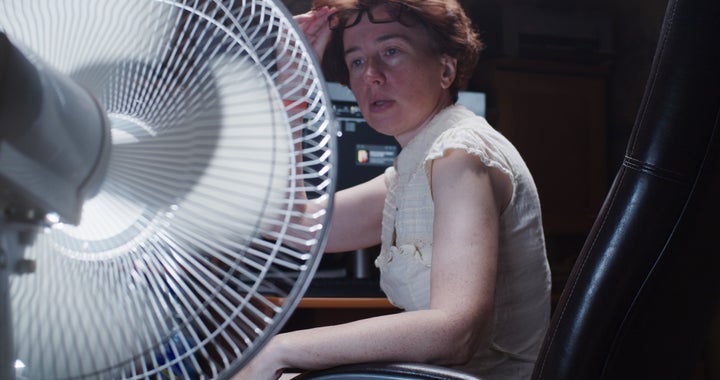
point(463, 283)
point(357, 212)
point(356, 220)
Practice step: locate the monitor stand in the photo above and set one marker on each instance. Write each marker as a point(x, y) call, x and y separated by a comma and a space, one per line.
point(361, 263)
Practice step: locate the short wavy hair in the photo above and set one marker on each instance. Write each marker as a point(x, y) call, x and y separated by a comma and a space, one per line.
point(450, 28)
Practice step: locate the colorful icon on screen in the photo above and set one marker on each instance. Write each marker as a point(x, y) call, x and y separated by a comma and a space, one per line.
point(363, 156)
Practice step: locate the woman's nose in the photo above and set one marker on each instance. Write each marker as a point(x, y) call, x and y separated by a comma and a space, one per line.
point(373, 73)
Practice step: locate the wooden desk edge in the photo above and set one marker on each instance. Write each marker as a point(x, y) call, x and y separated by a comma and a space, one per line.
point(338, 303)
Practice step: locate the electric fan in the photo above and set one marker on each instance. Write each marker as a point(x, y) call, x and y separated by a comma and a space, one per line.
point(153, 155)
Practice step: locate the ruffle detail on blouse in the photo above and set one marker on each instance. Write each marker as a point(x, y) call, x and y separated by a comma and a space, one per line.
point(421, 252)
point(405, 283)
point(470, 140)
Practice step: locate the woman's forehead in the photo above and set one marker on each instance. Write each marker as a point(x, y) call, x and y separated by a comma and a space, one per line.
point(368, 33)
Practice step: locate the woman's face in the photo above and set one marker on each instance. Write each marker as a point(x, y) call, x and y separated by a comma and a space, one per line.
point(399, 81)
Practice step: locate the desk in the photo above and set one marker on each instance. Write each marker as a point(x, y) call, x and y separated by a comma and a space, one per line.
point(338, 303)
point(325, 311)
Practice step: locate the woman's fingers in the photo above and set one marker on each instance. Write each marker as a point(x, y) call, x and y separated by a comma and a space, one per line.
point(314, 25)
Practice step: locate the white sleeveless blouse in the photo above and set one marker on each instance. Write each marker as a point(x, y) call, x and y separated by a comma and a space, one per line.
point(522, 294)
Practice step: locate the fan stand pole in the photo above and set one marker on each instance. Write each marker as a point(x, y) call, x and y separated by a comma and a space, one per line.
point(10, 261)
point(7, 367)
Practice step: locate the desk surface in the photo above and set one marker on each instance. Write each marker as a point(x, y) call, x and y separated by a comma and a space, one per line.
point(339, 303)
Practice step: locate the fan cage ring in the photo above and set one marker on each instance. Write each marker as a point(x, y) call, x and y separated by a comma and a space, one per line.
point(189, 259)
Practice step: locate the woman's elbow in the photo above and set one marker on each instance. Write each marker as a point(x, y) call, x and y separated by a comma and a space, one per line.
point(459, 354)
point(460, 348)
point(459, 334)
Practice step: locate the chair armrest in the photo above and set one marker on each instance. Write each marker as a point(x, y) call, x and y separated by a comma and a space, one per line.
point(387, 371)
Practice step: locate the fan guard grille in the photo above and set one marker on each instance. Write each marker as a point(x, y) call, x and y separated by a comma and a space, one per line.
point(218, 115)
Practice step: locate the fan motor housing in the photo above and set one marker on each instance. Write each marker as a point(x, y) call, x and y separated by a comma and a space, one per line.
point(54, 140)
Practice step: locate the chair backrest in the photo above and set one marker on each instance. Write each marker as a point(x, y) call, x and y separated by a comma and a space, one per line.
point(643, 290)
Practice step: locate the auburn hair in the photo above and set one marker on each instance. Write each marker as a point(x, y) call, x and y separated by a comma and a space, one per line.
point(449, 27)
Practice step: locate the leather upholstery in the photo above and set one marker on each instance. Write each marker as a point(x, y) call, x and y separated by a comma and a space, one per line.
point(644, 288)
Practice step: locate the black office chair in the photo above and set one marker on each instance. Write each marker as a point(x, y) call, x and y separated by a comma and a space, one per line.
point(643, 290)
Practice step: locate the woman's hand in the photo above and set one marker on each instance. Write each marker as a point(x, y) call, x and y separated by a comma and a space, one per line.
point(263, 366)
point(314, 25)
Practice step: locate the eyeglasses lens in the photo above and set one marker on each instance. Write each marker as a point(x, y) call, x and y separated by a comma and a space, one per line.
point(344, 19)
point(379, 14)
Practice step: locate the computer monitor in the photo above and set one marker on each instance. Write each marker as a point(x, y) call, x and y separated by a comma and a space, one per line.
point(364, 154)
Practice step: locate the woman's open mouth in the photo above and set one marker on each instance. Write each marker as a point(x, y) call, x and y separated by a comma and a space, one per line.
point(380, 105)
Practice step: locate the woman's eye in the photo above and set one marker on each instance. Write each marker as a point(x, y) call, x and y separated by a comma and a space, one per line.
point(355, 62)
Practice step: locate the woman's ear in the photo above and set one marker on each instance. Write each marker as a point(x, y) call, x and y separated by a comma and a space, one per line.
point(449, 71)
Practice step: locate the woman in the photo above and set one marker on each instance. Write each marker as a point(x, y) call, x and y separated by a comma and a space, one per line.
point(457, 216)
